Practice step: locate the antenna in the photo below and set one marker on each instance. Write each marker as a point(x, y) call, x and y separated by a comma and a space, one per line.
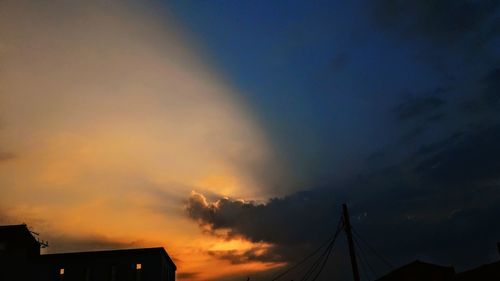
point(43, 244)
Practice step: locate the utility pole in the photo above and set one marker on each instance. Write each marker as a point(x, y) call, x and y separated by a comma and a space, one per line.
point(350, 242)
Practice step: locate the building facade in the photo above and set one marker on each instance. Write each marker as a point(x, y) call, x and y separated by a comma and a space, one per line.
point(20, 259)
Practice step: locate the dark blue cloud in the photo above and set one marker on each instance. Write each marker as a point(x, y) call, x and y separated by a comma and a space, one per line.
point(445, 22)
point(418, 106)
point(487, 98)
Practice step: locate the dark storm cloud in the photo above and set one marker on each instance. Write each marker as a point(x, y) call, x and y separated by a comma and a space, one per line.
point(295, 225)
point(422, 111)
point(418, 106)
point(265, 222)
point(433, 147)
point(439, 205)
point(473, 160)
point(492, 87)
point(251, 255)
point(445, 21)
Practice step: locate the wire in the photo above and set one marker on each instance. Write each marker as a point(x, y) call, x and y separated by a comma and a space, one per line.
point(364, 261)
point(324, 257)
point(382, 258)
point(301, 261)
point(327, 242)
point(365, 256)
point(317, 262)
point(364, 271)
point(323, 265)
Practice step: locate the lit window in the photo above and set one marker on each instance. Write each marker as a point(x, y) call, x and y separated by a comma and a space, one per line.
point(61, 271)
point(138, 266)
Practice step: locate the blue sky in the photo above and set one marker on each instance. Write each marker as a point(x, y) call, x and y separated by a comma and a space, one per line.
point(324, 77)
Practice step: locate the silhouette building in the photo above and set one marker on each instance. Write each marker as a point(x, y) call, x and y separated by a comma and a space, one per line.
point(20, 259)
point(418, 270)
point(486, 272)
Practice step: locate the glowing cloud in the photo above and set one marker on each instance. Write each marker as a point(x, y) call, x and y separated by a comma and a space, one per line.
point(110, 117)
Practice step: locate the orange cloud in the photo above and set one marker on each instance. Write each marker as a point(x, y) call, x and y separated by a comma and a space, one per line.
point(114, 117)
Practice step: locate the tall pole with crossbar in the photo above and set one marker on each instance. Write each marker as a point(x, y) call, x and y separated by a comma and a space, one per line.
point(350, 242)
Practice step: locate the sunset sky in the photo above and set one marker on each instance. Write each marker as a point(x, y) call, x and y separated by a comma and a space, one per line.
point(229, 132)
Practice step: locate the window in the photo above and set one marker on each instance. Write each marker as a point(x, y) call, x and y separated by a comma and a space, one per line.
point(138, 269)
point(61, 271)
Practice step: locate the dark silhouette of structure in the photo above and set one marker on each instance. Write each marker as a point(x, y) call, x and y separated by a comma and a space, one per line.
point(486, 272)
point(20, 259)
point(417, 271)
point(350, 241)
point(311, 266)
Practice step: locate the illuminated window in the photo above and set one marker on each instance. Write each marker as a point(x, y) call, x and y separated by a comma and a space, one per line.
point(138, 271)
point(61, 271)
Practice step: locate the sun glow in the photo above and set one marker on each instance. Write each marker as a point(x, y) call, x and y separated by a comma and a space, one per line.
point(112, 118)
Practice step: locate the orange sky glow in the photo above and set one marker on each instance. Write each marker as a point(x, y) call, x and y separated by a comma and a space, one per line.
point(113, 117)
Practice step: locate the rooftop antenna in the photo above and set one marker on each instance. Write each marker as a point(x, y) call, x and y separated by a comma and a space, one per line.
point(43, 244)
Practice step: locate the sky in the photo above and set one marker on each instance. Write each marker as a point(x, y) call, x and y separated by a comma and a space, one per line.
point(230, 132)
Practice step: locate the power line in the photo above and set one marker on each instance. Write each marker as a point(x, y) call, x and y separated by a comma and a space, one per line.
point(323, 255)
point(364, 271)
point(324, 262)
point(301, 261)
point(327, 242)
point(319, 263)
point(364, 261)
point(316, 263)
point(323, 265)
point(381, 257)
